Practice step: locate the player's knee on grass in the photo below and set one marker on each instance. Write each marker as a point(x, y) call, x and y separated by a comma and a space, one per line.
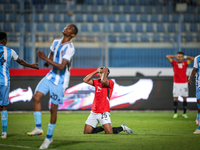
point(108, 128)
point(87, 129)
point(108, 131)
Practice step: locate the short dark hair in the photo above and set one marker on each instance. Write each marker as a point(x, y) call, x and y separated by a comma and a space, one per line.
point(180, 53)
point(3, 35)
point(76, 29)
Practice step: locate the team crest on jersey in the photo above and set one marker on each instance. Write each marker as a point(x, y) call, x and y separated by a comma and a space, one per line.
point(70, 45)
point(63, 53)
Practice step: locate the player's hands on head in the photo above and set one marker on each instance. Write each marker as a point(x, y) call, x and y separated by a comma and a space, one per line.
point(34, 66)
point(99, 69)
point(41, 54)
point(104, 69)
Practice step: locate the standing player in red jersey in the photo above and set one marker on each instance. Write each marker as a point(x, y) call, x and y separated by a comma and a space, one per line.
point(180, 86)
point(101, 107)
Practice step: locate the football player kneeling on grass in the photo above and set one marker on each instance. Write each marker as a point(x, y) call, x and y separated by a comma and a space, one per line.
point(101, 107)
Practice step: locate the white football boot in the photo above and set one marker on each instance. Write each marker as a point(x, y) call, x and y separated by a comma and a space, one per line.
point(126, 129)
point(197, 131)
point(3, 135)
point(46, 143)
point(35, 131)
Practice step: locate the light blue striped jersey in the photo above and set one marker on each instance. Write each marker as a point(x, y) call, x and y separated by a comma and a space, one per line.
point(197, 66)
point(61, 52)
point(5, 57)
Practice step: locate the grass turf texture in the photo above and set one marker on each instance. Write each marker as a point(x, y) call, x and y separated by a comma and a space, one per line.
point(152, 130)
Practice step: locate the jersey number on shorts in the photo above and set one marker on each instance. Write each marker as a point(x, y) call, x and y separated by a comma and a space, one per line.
point(54, 96)
point(103, 116)
point(2, 60)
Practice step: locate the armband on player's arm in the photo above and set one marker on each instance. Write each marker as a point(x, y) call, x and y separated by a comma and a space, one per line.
point(188, 62)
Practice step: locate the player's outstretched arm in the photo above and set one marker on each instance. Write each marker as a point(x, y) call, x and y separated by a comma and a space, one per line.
point(24, 63)
point(58, 66)
point(88, 78)
point(169, 57)
point(194, 71)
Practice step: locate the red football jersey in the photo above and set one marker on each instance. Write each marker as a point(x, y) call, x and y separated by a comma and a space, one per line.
point(180, 71)
point(102, 96)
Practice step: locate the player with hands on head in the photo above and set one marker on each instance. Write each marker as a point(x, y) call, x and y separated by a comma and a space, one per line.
point(6, 54)
point(100, 112)
point(180, 86)
point(55, 82)
point(196, 72)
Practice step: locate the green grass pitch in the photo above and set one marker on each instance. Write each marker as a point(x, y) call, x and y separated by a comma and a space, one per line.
point(153, 130)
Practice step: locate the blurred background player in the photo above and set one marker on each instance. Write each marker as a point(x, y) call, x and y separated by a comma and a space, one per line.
point(194, 72)
point(101, 107)
point(5, 57)
point(180, 86)
point(55, 82)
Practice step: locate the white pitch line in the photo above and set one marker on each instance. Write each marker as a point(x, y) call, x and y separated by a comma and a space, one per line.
point(21, 146)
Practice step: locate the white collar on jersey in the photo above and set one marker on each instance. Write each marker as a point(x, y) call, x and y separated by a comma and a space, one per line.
point(65, 42)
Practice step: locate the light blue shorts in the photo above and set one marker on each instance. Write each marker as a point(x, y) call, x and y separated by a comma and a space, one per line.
point(198, 93)
point(56, 92)
point(4, 94)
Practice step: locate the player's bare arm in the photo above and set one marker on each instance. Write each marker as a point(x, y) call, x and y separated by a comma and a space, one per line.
point(104, 74)
point(46, 64)
point(190, 58)
point(169, 58)
point(88, 78)
point(194, 71)
point(24, 63)
point(58, 66)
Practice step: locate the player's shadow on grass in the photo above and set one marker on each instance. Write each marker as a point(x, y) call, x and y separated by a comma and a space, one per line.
point(58, 143)
point(159, 134)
